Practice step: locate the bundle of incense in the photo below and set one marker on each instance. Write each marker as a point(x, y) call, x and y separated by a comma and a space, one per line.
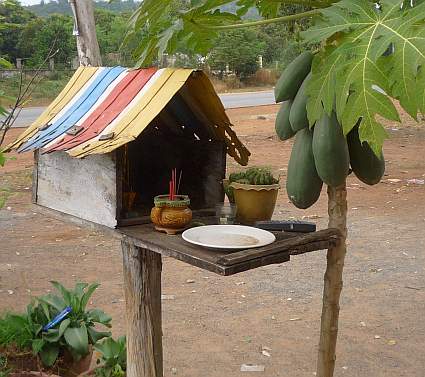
point(174, 186)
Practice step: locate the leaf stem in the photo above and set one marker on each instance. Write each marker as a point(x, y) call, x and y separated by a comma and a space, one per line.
point(291, 17)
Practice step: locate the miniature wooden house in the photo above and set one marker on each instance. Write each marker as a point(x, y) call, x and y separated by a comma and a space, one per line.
point(106, 145)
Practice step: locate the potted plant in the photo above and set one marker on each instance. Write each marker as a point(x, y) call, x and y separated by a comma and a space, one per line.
point(73, 338)
point(25, 344)
point(255, 193)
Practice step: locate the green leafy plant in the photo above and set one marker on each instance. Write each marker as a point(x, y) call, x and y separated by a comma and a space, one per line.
point(113, 357)
point(23, 332)
point(77, 331)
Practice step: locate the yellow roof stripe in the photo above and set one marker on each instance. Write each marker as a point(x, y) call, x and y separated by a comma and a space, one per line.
point(77, 81)
point(142, 114)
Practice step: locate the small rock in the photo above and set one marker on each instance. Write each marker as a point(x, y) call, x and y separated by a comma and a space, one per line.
point(193, 291)
point(295, 319)
point(10, 291)
point(362, 324)
point(9, 208)
point(345, 367)
point(261, 117)
point(240, 283)
point(18, 253)
point(391, 342)
point(266, 353)
point(252, 368)
point(174, 370)
point(266, 348)
point(289, 299)
point(168, 297)
point(273, 317)
point(393, 180)
point(190, 281)
point(415, 181)
point(377, 337)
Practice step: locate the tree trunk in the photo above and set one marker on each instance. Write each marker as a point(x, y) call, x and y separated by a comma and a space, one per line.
point(142, 288)
point(337, 209)
point(85, 30)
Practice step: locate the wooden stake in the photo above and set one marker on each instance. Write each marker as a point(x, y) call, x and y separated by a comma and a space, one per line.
point(85, 30)
point(142, 285)
point(337, 209)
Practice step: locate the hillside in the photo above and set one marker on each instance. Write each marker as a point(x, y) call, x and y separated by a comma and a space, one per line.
point(45, 9)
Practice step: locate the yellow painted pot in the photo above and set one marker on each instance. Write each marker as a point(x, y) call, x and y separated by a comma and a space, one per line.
point(254, 202)
point(171, 216)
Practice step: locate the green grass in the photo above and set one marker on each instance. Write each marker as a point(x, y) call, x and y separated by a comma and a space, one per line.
point(44, 92)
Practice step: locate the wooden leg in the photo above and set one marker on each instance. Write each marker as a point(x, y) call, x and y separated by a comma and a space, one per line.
point(142, 285)
point(337, 207)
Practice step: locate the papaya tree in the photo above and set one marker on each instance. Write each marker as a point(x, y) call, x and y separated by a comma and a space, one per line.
point(370, 53)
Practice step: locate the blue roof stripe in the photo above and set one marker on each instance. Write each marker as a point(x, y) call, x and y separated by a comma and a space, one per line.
point(76, 112)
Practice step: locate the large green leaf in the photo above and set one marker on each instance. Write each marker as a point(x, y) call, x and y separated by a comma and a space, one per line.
point(95, 335)
point(49, 353)
point(53, 335)
point(98, 316)
point(77, 339)
point(54, 301)
point(87, 294)
point(354, 71)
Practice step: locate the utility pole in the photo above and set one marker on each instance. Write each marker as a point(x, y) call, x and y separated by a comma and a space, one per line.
point(85, 31)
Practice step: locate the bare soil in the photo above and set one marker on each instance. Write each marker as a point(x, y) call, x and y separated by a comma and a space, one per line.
point(215, 324)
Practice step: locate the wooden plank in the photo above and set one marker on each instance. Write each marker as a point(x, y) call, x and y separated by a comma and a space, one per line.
point(221, 261)
point(84, 188)
point(142, 288)
point(296, 245)
point(35, 177)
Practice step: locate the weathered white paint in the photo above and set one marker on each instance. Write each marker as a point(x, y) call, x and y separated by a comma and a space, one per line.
point(85, 188)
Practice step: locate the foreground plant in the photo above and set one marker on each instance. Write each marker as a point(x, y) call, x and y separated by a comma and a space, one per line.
point(77, 332)
point(113, 357)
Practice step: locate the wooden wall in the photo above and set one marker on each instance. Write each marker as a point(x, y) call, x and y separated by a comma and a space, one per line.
point(85, 188)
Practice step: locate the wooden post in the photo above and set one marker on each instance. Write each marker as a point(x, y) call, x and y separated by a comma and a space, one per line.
point(85, 30)
point(337, 209)
point(142, 285)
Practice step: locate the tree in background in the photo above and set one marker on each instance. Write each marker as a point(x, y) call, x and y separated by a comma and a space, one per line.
point(39, 35)
point(13, 17)
point(239, 49)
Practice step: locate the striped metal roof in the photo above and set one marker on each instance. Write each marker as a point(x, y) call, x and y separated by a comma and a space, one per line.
point(103, 108)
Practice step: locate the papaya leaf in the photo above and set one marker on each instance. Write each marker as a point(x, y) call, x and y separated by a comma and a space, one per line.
point(77, 339)
point(49, 353)
point(368, 74)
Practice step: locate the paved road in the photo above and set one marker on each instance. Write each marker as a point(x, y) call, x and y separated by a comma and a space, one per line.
point(230, 101)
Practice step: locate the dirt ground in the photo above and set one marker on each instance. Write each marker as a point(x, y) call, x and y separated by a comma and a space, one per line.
point(215, 324)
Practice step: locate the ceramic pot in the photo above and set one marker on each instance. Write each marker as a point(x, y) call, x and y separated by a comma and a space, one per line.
point(254, 202)
point(171, 216)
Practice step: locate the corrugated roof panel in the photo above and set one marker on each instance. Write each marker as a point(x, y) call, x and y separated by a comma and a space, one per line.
point(77, 81)
point(85, 103)
point(111, 107)
point(109, 110)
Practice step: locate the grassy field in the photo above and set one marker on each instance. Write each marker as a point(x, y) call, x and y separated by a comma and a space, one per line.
point(46, 90)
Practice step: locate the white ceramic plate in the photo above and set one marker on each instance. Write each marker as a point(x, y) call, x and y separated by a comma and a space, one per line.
point(228, 236)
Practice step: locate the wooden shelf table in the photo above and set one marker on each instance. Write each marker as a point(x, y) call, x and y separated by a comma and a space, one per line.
point(143, 248)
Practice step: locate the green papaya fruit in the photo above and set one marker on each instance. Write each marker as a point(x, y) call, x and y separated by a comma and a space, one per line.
point(292, 77)
point(330, 151)
point(298, 114)
point(303, 184)
point(283, 127)
point(366, 165)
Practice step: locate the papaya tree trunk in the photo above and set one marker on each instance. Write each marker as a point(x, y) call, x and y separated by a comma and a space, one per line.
point(337, 209)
